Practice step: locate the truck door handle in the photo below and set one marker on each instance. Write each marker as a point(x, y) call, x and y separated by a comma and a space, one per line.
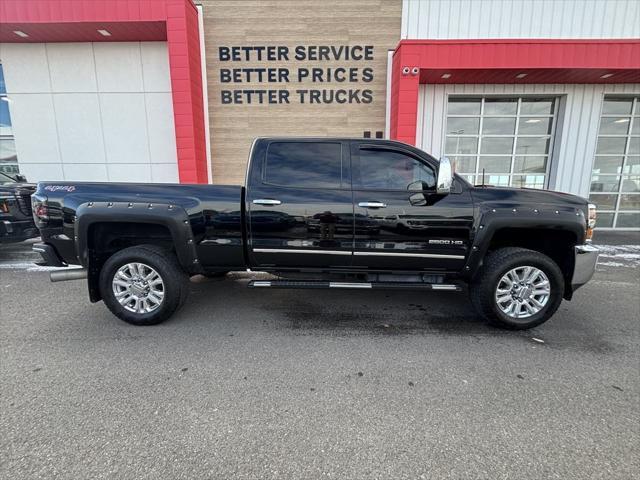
point(372, 205)
point(266, 201)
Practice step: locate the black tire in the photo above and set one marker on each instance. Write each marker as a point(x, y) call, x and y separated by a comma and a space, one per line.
point(496, 265)
point(165, 263)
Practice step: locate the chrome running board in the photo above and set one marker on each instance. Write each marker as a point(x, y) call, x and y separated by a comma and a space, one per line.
point(354, 285)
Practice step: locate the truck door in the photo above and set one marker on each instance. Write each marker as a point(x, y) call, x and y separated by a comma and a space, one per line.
point(299, 204)
point(401, 223)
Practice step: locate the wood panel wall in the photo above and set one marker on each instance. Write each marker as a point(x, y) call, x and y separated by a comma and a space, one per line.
point(292, 23)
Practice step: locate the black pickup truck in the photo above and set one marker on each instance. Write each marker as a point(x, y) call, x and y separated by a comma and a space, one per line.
point(16, 219)
point(322, 213)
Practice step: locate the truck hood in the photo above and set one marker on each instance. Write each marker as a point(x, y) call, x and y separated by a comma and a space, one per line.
point(17, 187)
point(528, 196)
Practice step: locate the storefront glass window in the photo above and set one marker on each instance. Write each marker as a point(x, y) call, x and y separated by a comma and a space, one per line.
point(8, 157)
point(509, 138)
point(615, 176)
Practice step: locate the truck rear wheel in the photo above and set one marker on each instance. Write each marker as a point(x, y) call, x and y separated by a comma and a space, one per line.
point(517, 288)
point(143, 285)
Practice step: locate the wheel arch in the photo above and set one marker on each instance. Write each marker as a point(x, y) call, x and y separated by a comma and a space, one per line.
point(103, 228)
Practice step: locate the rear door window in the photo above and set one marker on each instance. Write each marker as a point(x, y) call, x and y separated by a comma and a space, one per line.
point(304, 164)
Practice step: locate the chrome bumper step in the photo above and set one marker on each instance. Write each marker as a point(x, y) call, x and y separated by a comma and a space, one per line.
point(353, 285)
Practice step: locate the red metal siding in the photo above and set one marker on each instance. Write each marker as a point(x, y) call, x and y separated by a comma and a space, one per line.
point(61, 11)
point(186, 84)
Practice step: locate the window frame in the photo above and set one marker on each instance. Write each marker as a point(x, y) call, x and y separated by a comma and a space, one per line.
point(357, 170)
point(618, 193)
point(345, 170)
point(10, 137)
point(518, 116)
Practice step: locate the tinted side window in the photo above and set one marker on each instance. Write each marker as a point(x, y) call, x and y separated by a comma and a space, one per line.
point(304, 164)
point(389, 170)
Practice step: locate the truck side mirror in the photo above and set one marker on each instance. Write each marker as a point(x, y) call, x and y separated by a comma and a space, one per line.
point(20, 178)
point(418, 200)
point(418, 186)
point(445, 176)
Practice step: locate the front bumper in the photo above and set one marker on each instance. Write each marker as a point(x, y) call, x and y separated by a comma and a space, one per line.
point(586, 257)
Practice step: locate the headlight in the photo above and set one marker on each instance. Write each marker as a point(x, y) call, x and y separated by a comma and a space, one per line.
point(592, 215)
point(591, 220)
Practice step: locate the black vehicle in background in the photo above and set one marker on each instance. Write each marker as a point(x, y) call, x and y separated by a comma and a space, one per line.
point(322, 213)
point(16, 219)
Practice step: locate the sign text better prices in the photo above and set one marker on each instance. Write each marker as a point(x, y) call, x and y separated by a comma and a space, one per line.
point(355, 72)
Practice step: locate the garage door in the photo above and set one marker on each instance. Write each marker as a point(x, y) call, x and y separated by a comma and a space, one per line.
point(505, 141)
point(615, 177)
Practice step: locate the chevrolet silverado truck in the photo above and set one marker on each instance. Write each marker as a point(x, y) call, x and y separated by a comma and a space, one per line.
point(315, 213)
point(16, 219)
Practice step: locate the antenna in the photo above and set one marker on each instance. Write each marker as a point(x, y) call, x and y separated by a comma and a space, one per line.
point(483, 177)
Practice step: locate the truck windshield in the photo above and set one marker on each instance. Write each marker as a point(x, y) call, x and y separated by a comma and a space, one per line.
point(6, 179)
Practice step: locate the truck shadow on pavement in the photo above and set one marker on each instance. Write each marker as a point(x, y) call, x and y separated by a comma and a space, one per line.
point(345, 313)
point(342, 312)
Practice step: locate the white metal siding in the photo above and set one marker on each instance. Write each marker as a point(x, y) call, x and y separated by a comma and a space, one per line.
point(458, 19)
point(576, 133)
point(92, 111)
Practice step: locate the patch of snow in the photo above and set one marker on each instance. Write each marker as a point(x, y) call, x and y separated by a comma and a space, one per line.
point(619, 255)
point(618, 249)
point(28, 266)
point(613, 264)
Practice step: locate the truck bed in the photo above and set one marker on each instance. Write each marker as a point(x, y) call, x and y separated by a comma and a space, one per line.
point(214, 213)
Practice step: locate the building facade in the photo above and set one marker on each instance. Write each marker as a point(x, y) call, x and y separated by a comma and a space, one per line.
point(538, 94)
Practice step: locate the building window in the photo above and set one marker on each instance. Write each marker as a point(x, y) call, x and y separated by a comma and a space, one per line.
point(504, 141)
point(8, 157)
point(615, 176)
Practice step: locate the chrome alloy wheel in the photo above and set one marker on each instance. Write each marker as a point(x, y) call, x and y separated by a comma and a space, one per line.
point(138, 287)
point(523, 292)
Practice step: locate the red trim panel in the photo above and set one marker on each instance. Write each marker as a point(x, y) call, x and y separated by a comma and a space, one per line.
point(129, 20)
point(186, 85)
point(61, 11)
point(501, 61)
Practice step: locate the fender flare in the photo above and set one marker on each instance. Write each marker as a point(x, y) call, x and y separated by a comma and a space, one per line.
point(495, 218)
point(173, 217)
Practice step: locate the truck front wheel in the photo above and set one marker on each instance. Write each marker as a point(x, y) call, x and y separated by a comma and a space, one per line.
point(143, 285)
point(517, 288)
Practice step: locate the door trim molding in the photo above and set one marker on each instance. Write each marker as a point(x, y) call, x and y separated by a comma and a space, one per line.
point(359, 253)
point(419, 255)
point(288, 250)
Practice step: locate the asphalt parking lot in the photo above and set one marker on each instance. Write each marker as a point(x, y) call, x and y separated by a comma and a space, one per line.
point(317, 384)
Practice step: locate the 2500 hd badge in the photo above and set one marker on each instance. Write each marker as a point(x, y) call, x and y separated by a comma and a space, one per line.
point(441, 241)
